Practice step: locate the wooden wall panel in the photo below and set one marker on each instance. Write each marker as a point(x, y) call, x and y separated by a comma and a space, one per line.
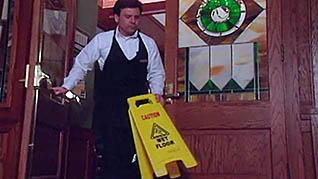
point(3, 151)
point(230, 153)
point(298, 82)
point(9, 147)
point(303, 45)
point(51, 112)
point(308, 155)
point(50, 146)
point(308, 71)
point(315, 142)
point(301, 42)
point(81, 154)
point(307, 141)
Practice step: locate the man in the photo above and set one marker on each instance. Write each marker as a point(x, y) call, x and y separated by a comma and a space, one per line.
point(130, 63)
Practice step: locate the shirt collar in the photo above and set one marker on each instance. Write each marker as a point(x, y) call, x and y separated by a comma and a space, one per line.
point(120, 35)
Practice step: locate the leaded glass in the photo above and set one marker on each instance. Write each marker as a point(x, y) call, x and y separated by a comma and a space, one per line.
point(223, 50)
point(220, 17)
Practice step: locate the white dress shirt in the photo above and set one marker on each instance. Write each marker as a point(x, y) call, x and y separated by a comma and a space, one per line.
point(98, 49)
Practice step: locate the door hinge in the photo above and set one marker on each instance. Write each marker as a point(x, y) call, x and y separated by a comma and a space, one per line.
point(282, 48)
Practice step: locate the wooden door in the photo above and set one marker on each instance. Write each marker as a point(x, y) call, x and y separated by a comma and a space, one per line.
point(45, 128)
point(231, 135)
point(13, 59)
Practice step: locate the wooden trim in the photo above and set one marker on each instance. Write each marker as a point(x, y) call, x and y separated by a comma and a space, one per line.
point(291, 91)
point(30, 92)
point(314, 48)
point(70, 38)
point(154, 8)
point(314, 123)
point(171, 49)
point(314, 54)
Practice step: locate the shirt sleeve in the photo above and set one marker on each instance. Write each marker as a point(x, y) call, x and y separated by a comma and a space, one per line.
point(84, 62)
point(156, 73)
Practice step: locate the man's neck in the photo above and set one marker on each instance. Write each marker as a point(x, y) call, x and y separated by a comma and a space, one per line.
point(126, 35)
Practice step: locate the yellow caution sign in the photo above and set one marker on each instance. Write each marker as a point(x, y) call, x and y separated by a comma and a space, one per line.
point(157, 140)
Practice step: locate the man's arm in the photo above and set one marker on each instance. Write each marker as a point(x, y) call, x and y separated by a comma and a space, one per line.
point(156, 73)
point(83, 62)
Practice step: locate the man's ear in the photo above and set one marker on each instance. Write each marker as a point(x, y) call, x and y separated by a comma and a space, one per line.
point(116, 17)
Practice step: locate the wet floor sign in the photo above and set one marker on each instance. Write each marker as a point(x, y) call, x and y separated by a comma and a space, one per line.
point(159, 144)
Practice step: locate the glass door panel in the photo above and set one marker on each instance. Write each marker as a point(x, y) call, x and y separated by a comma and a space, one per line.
point(6, 21)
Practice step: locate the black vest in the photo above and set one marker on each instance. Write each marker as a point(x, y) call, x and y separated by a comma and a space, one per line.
point(120, 78)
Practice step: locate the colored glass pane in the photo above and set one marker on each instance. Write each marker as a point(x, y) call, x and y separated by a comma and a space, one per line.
point(220, 15)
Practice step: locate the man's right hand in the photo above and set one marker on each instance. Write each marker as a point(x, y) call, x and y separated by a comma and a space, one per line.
point(59, 90)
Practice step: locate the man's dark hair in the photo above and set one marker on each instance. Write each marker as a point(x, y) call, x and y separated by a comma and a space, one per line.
point(121, 4)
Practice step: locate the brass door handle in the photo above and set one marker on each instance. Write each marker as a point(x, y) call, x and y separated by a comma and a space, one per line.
point(171, 97)
point(68, 97)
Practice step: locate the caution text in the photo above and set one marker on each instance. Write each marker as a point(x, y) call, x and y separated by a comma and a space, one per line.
point(150, 115)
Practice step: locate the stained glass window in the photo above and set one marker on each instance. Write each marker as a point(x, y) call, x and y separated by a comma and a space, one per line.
point(222, 50)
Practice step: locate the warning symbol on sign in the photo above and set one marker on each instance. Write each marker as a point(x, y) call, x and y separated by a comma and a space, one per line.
point(158, 132)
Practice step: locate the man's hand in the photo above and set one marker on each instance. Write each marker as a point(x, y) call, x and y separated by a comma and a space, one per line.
point(59, 90)
point(160, 99)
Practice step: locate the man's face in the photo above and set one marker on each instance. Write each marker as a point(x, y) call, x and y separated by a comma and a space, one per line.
point(128, 20)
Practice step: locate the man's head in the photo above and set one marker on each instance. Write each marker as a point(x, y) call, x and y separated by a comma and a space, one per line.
point(127, 15)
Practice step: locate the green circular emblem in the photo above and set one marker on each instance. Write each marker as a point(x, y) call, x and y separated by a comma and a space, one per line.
point(221, 17)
